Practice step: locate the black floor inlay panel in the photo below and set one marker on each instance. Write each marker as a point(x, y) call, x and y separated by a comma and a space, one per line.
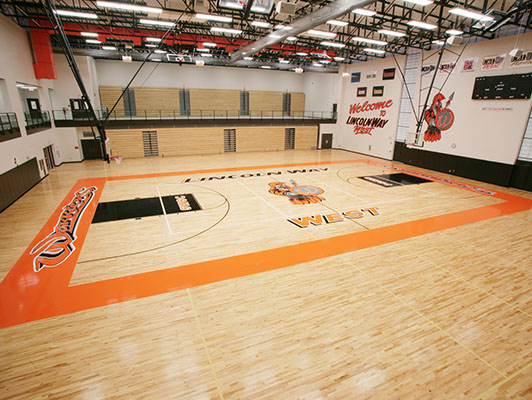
point(391, 180)
point(138, 208)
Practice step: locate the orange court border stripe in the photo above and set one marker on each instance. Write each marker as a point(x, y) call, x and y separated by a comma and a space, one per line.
point(27, 296)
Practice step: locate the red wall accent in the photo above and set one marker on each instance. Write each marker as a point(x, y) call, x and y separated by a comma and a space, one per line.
point(44, 66)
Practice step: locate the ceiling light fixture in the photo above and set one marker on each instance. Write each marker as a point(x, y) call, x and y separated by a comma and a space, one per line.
point(76, 14)
point(391, 33)
point(438, 42)
point(333, 44)
point(302, 54)
point(128, 6)
point(226, 30)
point(159, 51)
point(248, 58)
point(369, 41)
point(284, 61)
point(206, 55)
point(291, 38)
point(203, 50)
point(314, 32)
point(108, 48)
point(419, 2)
point(261, 24)
point(339, 58)
point(453, 32)
point(209, 44)
point(217, 18)
point(363, 11)
point(422, 25)
point(337, 23)
point(470, 14)
point(156, 22)
point(265, 67)
point(152, 39)
point(151, 45)
point(376, 51)
point(92, 41)
point(89, 34)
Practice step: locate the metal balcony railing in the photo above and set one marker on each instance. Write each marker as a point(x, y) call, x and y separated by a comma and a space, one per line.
point(8, 123)
point(36, 120)
point(140, 115)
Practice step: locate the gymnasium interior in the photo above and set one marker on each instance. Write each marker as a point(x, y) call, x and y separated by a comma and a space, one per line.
point(266, 199)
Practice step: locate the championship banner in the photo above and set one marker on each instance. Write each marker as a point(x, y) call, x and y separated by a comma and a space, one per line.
point(447, 67)
point(493, 62)
point(524, 60)
point(469, 65)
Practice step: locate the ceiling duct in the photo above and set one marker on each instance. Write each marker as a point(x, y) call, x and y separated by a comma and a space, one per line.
point(303, 24)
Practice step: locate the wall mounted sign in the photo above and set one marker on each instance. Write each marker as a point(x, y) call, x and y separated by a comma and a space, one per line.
point(365, 125)
point(524, 60)
point(493, 62)
point(378, 91)
point(388, 74)
point(361, 91)
point(355, 77)
point(371, 76)
point(469, 65)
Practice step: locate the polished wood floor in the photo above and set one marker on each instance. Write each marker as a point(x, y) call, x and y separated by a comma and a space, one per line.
point(426, 294)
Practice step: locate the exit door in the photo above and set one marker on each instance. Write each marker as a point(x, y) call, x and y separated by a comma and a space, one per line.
point(326, 141)
point(79, 108)
point(34, 108)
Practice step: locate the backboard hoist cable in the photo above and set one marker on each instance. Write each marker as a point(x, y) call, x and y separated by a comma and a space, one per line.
point(140, 67)
point(420, 117)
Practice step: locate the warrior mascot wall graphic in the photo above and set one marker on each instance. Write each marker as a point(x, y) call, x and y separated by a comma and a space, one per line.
point(438, 118)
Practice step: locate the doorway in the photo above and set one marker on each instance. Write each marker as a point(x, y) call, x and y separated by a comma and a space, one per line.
point(49, 157)
point(326, 141)
point(151, 145)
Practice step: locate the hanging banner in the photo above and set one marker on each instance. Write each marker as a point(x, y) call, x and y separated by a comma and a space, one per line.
point(371, 76)
point(446, 67)
point(524, 60)
point(428, 69)
point(469, 65)
point(493, 62)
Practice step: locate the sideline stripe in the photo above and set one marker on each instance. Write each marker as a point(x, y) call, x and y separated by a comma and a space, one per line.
point(422, 315)
point(246, 168)
point(502, 382)
point(205, 345)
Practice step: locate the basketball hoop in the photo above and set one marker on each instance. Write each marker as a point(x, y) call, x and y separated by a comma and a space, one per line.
point(116, 158)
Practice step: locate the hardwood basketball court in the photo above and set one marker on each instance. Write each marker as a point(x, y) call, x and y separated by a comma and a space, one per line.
point(297, 274)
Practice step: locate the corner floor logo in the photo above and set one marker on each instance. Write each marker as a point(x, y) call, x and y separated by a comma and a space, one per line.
point(55, 248)
point(295, 193)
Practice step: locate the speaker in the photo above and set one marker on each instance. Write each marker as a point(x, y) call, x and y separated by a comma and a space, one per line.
point(284, 7)
point(516, 52)
point(454, 40)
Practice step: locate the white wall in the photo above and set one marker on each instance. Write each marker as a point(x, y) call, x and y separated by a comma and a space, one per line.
point(378, 142)
point(320, 91)
point(66, 87)
point(490, 130)
point(16, 49)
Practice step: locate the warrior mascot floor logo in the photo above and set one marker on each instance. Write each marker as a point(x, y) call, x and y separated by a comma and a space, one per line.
point(295, 193)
